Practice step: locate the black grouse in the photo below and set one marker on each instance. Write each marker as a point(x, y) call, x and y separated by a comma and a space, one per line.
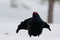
point(34, 25)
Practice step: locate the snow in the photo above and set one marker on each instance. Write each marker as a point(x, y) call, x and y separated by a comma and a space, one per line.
point(9, 33)
point(10, 17)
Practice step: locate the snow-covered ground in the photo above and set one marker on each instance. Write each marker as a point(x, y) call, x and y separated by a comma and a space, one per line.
point(10, 18)
point(8, 33)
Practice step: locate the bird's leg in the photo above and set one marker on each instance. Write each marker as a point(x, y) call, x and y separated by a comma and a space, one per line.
point(30, 35)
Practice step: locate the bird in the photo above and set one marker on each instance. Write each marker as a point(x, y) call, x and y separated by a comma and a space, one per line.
point(34, 25)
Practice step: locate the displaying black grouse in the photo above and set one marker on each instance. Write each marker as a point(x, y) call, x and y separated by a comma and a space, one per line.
point(34, 25)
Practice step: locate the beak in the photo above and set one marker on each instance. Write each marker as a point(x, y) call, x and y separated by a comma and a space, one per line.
point(49, 29)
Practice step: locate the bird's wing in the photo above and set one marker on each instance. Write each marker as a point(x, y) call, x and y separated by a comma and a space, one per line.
point(23, 25)
point(47, 26)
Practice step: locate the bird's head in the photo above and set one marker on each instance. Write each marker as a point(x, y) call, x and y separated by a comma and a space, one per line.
point(47, 26)
point(35, 14)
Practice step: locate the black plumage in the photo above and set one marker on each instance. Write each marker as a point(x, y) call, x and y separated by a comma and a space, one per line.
point(34, 25)
point(23, 25)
